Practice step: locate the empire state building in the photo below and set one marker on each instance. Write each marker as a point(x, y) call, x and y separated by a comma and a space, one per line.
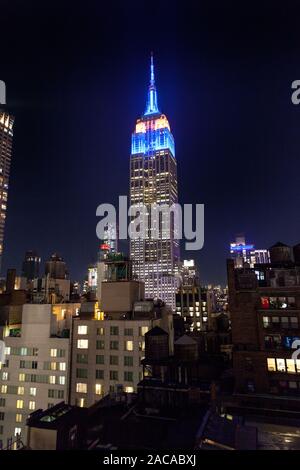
point(153, 180)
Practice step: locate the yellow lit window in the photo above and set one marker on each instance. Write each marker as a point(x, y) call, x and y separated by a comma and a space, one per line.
point(82, 344)
point(53, 366)
point(129, 345)
point(52, 379)
point(3, 388)
point(22, 377)
point(98, 389)
point(18, 418)
point(20, 404)
point(31, 405)
point(129, 389)
point(81, 388)
point(290, 366)
point(53, 352)
point(32, 391)
point(20, 390)
point(271, 364)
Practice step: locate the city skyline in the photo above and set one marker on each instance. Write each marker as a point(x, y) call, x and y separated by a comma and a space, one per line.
point(214, 103)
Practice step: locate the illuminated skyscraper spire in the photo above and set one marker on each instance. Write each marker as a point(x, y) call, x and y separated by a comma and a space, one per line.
point(151, 107)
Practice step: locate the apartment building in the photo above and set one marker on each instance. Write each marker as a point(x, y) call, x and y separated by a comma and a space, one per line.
point(36, 369)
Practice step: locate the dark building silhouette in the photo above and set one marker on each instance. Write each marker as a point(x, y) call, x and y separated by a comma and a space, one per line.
point(31, 265)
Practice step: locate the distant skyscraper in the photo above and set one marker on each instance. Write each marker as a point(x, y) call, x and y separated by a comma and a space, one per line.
point(6, 137)
point(242, 253)
point(153, 179)
point(31, 265)
point(56, 267)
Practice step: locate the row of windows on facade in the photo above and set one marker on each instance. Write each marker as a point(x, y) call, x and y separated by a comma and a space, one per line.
point(113, 345)
point(51, 379)
point(280, 322)
point(100, 359)
point(114, 330)
point(100, 374)
point(290, 366)
point(23, 351)
point(59, 366)
point(277, 302)
point(82, 387)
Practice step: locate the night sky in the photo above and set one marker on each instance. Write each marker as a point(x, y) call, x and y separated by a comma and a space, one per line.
point(77, 79)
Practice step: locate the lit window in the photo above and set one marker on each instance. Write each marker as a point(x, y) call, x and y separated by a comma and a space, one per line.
point(20, 390)
point(61, 380)
point(52, 379)
point(18, 418)
point(290, 366)
point(31, 405)
point(82, 329)
point(143, 330)
point(280, 365)
point(81, 402)
point(53, 352)
point(53, 366)
point(271, 364)
point(81, 388)
point(32, 391)
point(98, 389)
point(82, 343)
point(7, 351)
point(298, 366)
point(128, 345)
point(62, 366)
point(129, 389)
point(20, 404)
point(5, 376)
point(22, 377)
point(3, 388)
point(17, 431)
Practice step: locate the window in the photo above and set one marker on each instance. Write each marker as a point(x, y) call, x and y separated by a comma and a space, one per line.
point(114, 360)
point(5, 376)
point(128, 361)
point(100, 331)
point(280, 363)
point(99, 374)
point(82, 329)
point(3, 388)
point(141, 345)
point(21, 390)
point(20, 404)
point(21, 377)
point(62, 366)
point(31, 405)
point(81, 387)
point(290, 366)
point(271, 365)
point(53, 352)
point(81, 373)
point(114, 330)
point(61, 353)
point(80, 402)
point(18, 418)
point(143, 330)
point(129, 389)
point(82, 358)
point(128, 346)
point(82, 343)
point(100, 344)
point(99, 359)
point(128, 331)
point(128, 376)
point(17, 432)
point(2, 414)
point(113, 375)
point(55, 393)
point(32, 391)
point(114, 345)
point(52, 379)
point(294, 322)
point(62, 380)
point(2, 401)
point(98, 389)
point(52, 365)
point(266, 322)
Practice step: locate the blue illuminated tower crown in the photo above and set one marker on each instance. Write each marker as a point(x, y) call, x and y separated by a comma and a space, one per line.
point(152, 130)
